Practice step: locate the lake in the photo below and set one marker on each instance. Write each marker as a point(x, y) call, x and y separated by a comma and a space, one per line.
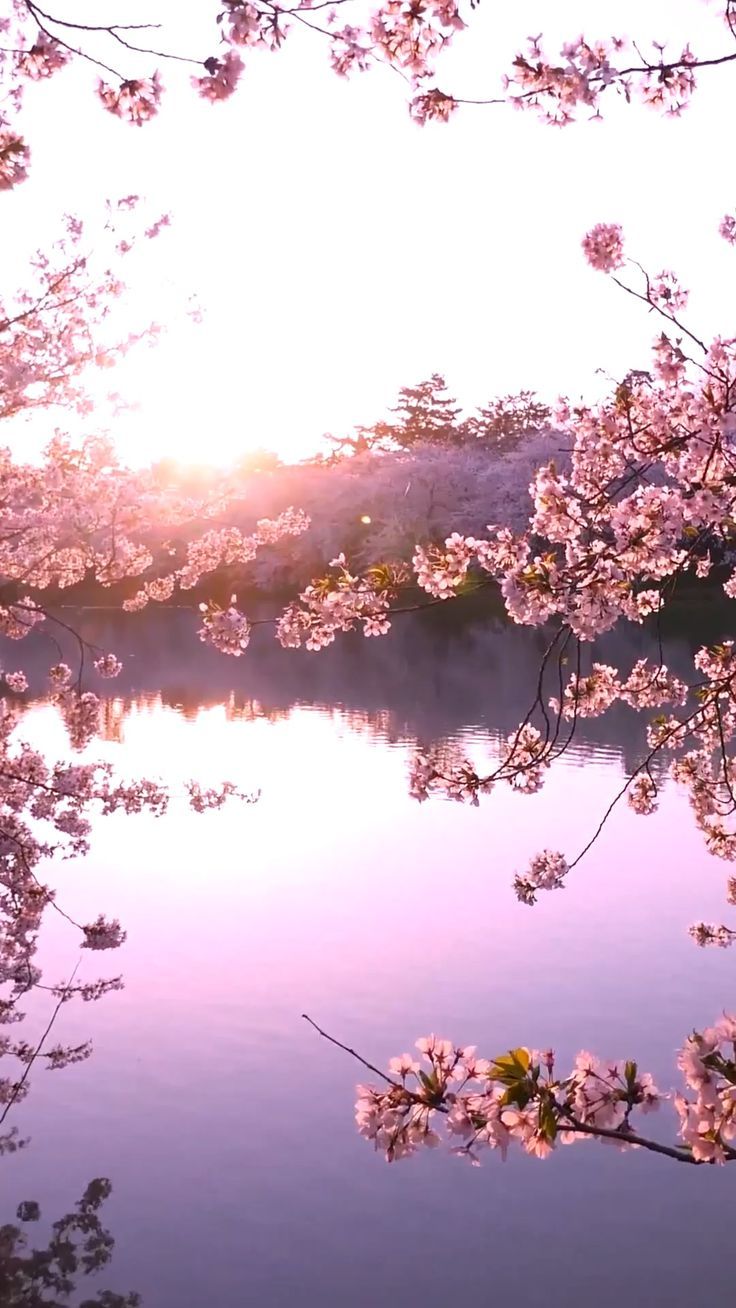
point(224, 1123)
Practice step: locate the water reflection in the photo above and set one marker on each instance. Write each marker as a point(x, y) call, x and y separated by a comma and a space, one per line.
point(427, 680)
point(50, 1273)
point(226, 1125)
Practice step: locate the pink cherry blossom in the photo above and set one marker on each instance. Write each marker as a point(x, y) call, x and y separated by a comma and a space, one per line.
point(135, 101)
point(17, 681)
point(227, 629)
point(432, 106)
point(604, 247)
point(45, 57)
point(14, 159)
point(108, 665)
point(222, 77)
point(102, 934)
point(522, 1101)
point(578, 79)
point(547, 871)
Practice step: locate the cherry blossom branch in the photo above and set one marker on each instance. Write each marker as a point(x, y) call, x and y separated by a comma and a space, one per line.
point(353, 1053)
point(636, 1140)
point(658, 308)
point(18, 1088)
point(72, 49)
point(408, 38)
point(113, 30)
point(34, 9)
point(676, 732)
point(518, 1098)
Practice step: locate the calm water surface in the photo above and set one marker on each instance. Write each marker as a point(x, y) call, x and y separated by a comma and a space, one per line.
point(226, 1125)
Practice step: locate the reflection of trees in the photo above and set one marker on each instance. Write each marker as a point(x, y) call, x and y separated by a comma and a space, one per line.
point(432, 677)
point(112, 716)
point(79, 1245)
point(189, 705)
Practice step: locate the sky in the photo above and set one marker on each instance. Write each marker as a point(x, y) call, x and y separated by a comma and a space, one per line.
point(339, 251)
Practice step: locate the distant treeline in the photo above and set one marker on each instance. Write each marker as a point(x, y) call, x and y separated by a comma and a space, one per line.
point(375, 494)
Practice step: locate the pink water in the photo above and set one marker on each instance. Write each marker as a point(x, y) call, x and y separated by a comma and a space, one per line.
point(225, 1124)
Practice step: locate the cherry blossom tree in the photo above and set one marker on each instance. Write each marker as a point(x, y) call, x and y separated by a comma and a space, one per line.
point(79, 515)
point(409, 36)
point(76, 515)
point(645, 502)
point(425, 412)
point(55, 328)
point(376, 505)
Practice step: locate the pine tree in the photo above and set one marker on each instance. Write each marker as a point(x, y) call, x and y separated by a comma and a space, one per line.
point(508, 420)
point(425, 412)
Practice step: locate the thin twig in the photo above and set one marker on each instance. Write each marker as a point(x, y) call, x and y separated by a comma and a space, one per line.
point(353, 1054)
point(19, 1086)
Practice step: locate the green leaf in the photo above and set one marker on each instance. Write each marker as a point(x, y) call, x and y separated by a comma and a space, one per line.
point(511, 1067)
point(429, 1081)
point(518, 1095)
point(547, 1120)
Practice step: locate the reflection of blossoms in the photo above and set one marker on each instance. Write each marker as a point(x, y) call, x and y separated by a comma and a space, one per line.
point(204, 798)
point(704, 933)
point(35, 1271)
